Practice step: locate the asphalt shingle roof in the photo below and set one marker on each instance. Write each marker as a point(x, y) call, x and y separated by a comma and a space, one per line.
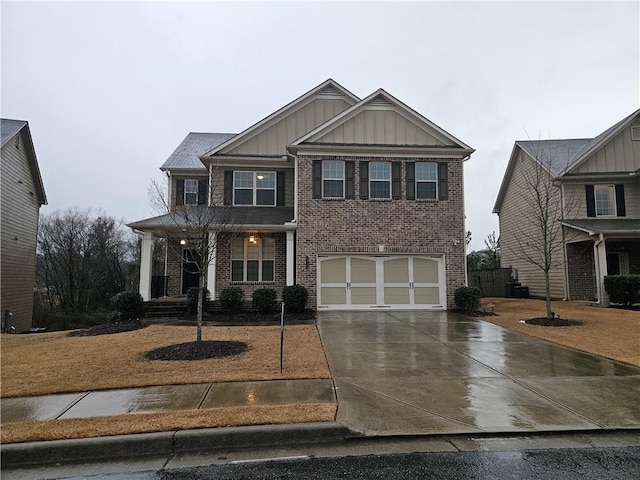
point(192, 147)
point(10, 127)
point(556, 155)
point(606, 225)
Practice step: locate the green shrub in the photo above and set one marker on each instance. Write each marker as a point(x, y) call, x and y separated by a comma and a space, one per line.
point(467, 299)
point(295, 298)
point(57, 320)
point(129, 304)
point(265, 300)
point(624, 289)
point(231, 299)
point(192, 298)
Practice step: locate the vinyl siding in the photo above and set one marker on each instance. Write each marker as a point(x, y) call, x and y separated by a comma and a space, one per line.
point(620, 154)
point(631, 197)
point(514, 225)
point(19, 228)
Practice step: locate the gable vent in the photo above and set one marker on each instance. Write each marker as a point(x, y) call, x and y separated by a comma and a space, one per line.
point(380, 101)
point(635, 134)
point(329, 91)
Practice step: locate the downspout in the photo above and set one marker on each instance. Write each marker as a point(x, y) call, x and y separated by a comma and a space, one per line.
point(464, 227)
point(601, 268)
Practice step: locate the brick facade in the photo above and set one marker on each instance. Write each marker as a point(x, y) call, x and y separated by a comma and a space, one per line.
point(580, 269)
point(402, 226)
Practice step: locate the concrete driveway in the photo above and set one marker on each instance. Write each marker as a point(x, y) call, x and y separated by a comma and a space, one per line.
point(438, 372)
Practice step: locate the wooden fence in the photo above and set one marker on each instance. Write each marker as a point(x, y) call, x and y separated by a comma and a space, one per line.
point(490, 282)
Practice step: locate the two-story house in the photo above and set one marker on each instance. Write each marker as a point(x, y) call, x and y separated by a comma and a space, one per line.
point(595, 210)
point(22, 195)
point(358, 200)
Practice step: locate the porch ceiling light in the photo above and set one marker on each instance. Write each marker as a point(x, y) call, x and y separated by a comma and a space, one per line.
point(183, 242)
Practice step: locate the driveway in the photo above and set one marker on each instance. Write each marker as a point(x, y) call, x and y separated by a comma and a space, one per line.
point(400, 372)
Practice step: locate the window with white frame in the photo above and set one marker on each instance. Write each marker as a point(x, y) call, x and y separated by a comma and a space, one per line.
point(427, 180)
point(605, 197)
point(191, 192)
point(252, 261)
point(254, 188)
point(379, 179)
point(332, 179)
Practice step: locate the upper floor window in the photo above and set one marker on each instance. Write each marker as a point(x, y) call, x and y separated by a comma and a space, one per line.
point(605, 200)
point(332, 179)
point(252, 260)
point(191, 192)
point(254, 188)
point(379, 179)
point(426, 180)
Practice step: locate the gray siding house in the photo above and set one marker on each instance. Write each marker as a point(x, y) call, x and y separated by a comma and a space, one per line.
point(22, 195)
point(358, 200)
point(594, 208)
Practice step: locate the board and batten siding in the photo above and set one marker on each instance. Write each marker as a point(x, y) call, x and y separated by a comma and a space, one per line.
point(513, 216)
point(274, 139)
point(20, 209)
point(620, 154)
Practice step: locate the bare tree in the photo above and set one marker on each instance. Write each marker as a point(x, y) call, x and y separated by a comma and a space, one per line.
point(203, 228)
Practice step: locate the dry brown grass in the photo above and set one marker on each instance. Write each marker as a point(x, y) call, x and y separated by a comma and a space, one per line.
point(166, 421)
point(48, 363)
point(608, 332)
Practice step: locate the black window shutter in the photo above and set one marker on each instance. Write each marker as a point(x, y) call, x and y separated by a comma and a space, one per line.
point(350, 175)
point(364, 180)
point(620, 207)
point(179, 192)
point(411, 180)
point(280, 189)
point(317, 178)
point(443, 181)
point(228, 187)
point(202, 192)
point(396, 180)
point(591, 200)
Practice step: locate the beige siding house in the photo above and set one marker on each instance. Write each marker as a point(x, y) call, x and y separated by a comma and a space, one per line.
point(594, 210)
point(22, 195)
point(359, 200)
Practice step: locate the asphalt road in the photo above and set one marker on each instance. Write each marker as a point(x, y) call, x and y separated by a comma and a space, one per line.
point(567, 464)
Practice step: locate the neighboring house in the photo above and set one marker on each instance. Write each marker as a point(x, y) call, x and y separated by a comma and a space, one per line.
point(597, 209)
point(360, 201)
point(22, 196)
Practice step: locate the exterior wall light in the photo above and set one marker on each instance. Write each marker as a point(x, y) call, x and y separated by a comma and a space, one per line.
point(183, 242)
point(252, 239)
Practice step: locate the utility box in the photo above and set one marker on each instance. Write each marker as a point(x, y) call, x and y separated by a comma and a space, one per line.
point(7, 321)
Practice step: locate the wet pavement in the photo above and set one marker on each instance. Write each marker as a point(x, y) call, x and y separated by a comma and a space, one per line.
point(438, 372)
point(166, 398)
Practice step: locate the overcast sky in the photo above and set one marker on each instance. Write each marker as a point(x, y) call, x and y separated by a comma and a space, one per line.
point(111, 89)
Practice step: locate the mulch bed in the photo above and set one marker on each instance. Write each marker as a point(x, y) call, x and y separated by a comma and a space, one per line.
point(552, 322)
point(198, 350)
point(107, 329)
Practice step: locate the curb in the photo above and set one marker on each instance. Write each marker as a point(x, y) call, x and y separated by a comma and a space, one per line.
point(169, 443)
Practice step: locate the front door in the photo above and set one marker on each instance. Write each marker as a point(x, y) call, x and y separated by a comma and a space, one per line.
point(189, 270)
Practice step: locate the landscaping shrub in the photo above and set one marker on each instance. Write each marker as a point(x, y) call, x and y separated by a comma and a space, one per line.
point(231, 299)
point(295, 298)
point(192, 299)
point(129, 304)
point(467, 299)
point(624, 289)
point(265, 300)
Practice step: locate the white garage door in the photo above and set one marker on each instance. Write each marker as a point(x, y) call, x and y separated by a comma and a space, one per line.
point(381, 281)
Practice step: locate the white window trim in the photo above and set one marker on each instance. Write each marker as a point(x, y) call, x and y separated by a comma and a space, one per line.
point(611, 190)
point(245, 260)
point(187, 181)
point(343, 179)
point(255, 188)
point(426, 181)
point(371, 180)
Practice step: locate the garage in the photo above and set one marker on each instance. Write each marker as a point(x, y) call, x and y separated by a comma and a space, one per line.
point(363, 282)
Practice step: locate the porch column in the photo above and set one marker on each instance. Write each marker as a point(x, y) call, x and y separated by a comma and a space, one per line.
point(290, 259)
point(600, 252)
point(146, 260)
point(211, 269)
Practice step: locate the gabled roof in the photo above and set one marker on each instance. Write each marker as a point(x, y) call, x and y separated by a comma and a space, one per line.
point(9, 129)
point(382, 99)
point(327, 88)
point(186, 156)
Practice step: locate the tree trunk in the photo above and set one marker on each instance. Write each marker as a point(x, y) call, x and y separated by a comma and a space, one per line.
point(547, 288)
point(201, 295)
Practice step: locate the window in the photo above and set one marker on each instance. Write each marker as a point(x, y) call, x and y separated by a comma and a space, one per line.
point(332, 179)
point(190, 192)
point(605, 196)
point(426, 180)
point(254, 188)
point(252, 261)
point(379, 179)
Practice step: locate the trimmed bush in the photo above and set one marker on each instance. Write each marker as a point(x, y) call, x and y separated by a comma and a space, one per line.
point(624, 289)
point(192, 298)
point(467, 299)
point(231, 299)
point(128, 304)
point(295, 298)
point(265, 300)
